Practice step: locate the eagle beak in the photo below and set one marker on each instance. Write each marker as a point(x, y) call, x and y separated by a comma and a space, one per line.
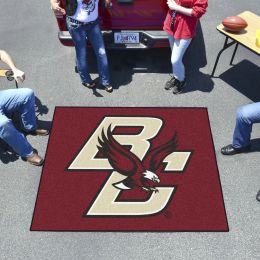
point(157, 180)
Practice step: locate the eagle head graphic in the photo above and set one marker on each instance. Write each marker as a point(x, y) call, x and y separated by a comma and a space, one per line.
point(89, 5)
point(139, 174)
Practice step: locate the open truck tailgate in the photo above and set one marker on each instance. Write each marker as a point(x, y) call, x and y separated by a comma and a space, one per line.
point(128, 24)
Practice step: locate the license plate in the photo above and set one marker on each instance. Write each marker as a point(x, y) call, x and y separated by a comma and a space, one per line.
point(126, 37)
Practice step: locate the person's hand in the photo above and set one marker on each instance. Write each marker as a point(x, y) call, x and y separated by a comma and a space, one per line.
point(172, 5)
point(58, 11)
point(108, 3)
point(19, 75)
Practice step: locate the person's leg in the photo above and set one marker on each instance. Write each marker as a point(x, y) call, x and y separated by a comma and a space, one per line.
point(171, 40)
point(15, 139)
point(178, 47)
point(20, 102)
point(97, 42)
point(246, 116)
point(78, 35)
point(27, 111)
point(170, 83)
point(178, 50)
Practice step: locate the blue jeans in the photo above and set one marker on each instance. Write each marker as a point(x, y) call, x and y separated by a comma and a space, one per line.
point(179, 47)
point(80, 33)
point(246, 116)
point(18, 102)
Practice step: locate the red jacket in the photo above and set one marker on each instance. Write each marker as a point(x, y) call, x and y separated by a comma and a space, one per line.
point(185, 26)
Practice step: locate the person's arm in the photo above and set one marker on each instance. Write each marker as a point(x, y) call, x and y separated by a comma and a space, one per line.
point(55, 6)
point(19, 75)
point(199, 8)
point(180, 9)
point(107, 3)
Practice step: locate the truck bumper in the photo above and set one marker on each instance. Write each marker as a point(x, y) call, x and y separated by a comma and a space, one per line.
point(147, 40)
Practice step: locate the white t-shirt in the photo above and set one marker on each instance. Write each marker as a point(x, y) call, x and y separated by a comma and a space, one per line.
point(87, 11)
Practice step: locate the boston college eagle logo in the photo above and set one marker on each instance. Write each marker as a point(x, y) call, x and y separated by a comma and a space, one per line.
point(139, 174)
point(139, 169)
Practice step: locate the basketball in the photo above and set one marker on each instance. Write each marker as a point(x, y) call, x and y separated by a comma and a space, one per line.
point(234, 23)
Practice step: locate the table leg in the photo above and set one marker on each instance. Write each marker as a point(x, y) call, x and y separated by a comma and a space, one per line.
point(234, 53)
point(226, 45)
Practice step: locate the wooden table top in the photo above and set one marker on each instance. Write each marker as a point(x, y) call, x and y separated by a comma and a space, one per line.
point(246, 37)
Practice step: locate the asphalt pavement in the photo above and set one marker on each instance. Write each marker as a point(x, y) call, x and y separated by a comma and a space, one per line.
point(28, 31)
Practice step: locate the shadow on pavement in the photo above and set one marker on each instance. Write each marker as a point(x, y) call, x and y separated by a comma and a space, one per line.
point(255, 145)
point(124, 63)
point(6, 154)
point(44, 124)
point(194, 59)
point(40, 109)
point(244, 77)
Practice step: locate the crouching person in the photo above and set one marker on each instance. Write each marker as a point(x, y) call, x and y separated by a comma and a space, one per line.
point(247, 115)
point(19, 103)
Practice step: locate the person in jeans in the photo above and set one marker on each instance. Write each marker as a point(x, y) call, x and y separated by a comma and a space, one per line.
point(180, 24)
point(83, 24)
point(246, 116)
point(19, 104)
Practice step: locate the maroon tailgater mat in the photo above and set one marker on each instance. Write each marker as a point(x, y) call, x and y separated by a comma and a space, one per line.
point(130, 169)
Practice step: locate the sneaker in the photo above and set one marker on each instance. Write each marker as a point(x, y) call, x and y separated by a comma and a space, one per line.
point(89, 85)
point(178, 86)
point(170, 84)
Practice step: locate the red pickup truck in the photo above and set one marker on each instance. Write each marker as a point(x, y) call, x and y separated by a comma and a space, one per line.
point(134, 24)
